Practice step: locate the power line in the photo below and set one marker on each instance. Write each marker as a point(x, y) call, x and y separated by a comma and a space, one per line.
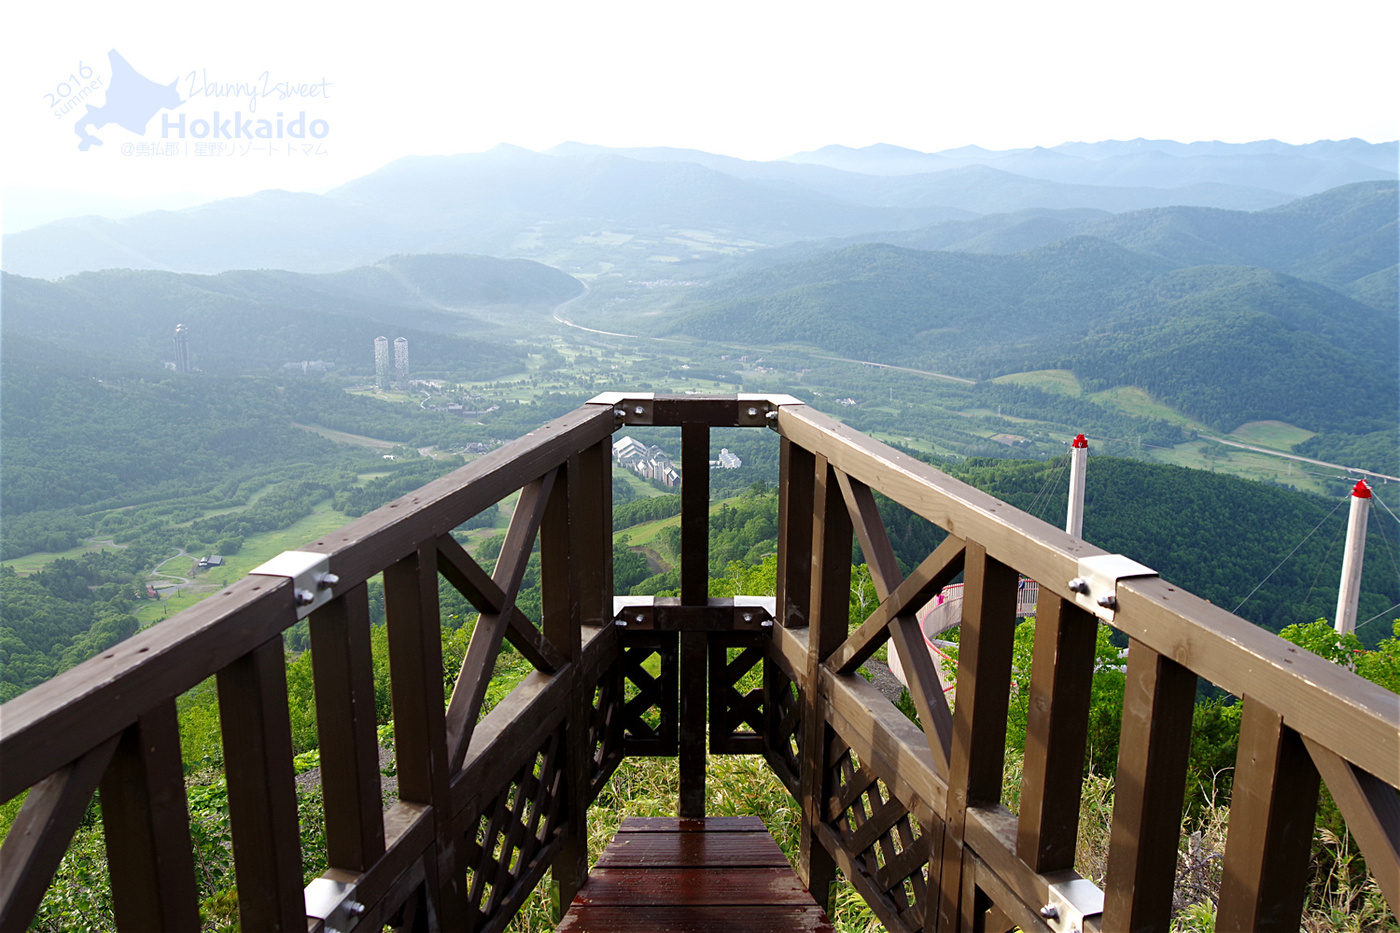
point(1290, 554)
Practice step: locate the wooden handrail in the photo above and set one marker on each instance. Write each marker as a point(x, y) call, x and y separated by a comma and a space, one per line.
point(912, 817)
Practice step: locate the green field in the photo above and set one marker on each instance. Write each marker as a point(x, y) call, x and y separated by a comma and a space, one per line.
point(1058, 381)
point(1278, 435)
point(39, 559)
point(1131, 400)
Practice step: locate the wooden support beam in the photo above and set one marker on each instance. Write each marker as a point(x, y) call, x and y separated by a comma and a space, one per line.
point(692, 726)
point(466, 575)
point(41, 832)
point(1057, 727)
point(1372, 811)
point(346, 726)
point(1269, 841)
point(146, 824)
point(262, 799)
point(1152, 757)
point(933, 573)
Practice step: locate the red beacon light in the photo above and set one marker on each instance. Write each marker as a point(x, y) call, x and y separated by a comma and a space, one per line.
point(1361, 490)
point(1083, 442)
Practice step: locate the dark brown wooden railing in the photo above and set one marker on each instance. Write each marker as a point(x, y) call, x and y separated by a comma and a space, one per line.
point(913, 818)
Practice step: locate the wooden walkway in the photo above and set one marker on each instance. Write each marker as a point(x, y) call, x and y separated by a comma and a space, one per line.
point(668, 875)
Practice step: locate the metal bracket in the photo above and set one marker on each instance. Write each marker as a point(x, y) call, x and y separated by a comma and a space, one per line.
point(1071, 902)
point(310, 575)
point(1096, 586)
point(630, 407)
point(334, 902)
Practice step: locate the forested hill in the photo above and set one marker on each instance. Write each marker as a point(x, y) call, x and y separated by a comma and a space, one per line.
point(259, 320)
point(1345, 238)
point(1225, 344)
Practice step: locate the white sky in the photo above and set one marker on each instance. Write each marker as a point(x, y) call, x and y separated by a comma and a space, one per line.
point(750, 79)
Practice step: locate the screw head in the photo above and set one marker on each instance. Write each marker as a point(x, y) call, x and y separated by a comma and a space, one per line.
point(1049, 911)
point(354, 908)
point(753, 412)
point(327, 580)
point(766, 623)
point(621, 623)
point(748, 617)
point(771, 416)
point(303, 597)
point(639, 410)
point(620, 412)
point(1079, 585)
point(639, 618)
point(1108, 601)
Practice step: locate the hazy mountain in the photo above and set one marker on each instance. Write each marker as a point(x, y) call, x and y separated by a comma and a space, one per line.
point(1224, 344)
point(589, 209)
point(1268, 164)
point(259, 320)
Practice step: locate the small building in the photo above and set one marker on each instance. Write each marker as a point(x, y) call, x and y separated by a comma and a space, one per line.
point(727, 460)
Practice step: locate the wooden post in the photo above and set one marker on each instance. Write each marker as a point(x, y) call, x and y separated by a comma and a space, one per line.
point(1271, 826)
point(262, 798)
point(1152, 758)
point(420, 721)
point(1057, 726)
point(695, 591)
point(830, 604)
point(797, 471)
point(346, 728)
point(146, 823)
point(979, 720)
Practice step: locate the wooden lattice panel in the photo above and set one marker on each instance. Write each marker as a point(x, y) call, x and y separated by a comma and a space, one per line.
point(651, 693)
point(887, 848)
point(605, 728)
point(514, 828)
point(736, 693)
point(782, 738)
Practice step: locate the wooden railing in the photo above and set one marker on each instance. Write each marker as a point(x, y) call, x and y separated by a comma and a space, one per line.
point(486, 804)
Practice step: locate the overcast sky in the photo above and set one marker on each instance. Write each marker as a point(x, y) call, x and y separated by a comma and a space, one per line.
point(751, 79)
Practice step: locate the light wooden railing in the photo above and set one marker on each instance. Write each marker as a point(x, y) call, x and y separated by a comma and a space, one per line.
point(486, 804)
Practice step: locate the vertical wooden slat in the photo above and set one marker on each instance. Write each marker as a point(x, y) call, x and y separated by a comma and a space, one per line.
point(1057, 727)
point(146, 824)
point(692, 750)
point(830, 604)
point(559, 591)
point(1152, 757)
point(41, 832)
point(262, 799)
point(1271, 826)
point(420, 712)
point(592, 533)
point(795, 490)
point(979, 721)
point(346, 718)
point(695, 514)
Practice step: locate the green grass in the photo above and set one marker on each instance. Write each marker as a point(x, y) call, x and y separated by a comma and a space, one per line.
point(342, 437)
point(647, 532)
point(1131, 400)
point(257, 549)
point(1278, 435)
point(1058, 381)
point(29, 563)
point(641, 487)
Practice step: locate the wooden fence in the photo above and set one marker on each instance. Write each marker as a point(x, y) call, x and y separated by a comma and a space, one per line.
point(486, 804)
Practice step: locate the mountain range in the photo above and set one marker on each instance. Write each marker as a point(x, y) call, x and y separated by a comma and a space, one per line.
point(589, 209)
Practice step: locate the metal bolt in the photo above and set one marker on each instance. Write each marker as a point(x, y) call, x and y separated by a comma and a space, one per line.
point(766, 623)
point(326, 580)
point(1108, 601)
point(354, 908)
point(303, 597)
point(1049, 911)
point(748, 617)
point(771, 416)
point(621, 623)
point(753, 412)
point(639, 618)
point(1079, 585)
point(620, 412)
point(639, 410)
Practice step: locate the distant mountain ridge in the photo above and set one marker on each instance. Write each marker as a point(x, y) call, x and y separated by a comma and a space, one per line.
point(585, 208)
point(256, 320)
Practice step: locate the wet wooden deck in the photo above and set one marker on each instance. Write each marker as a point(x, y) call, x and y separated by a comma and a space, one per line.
point(668, 875)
